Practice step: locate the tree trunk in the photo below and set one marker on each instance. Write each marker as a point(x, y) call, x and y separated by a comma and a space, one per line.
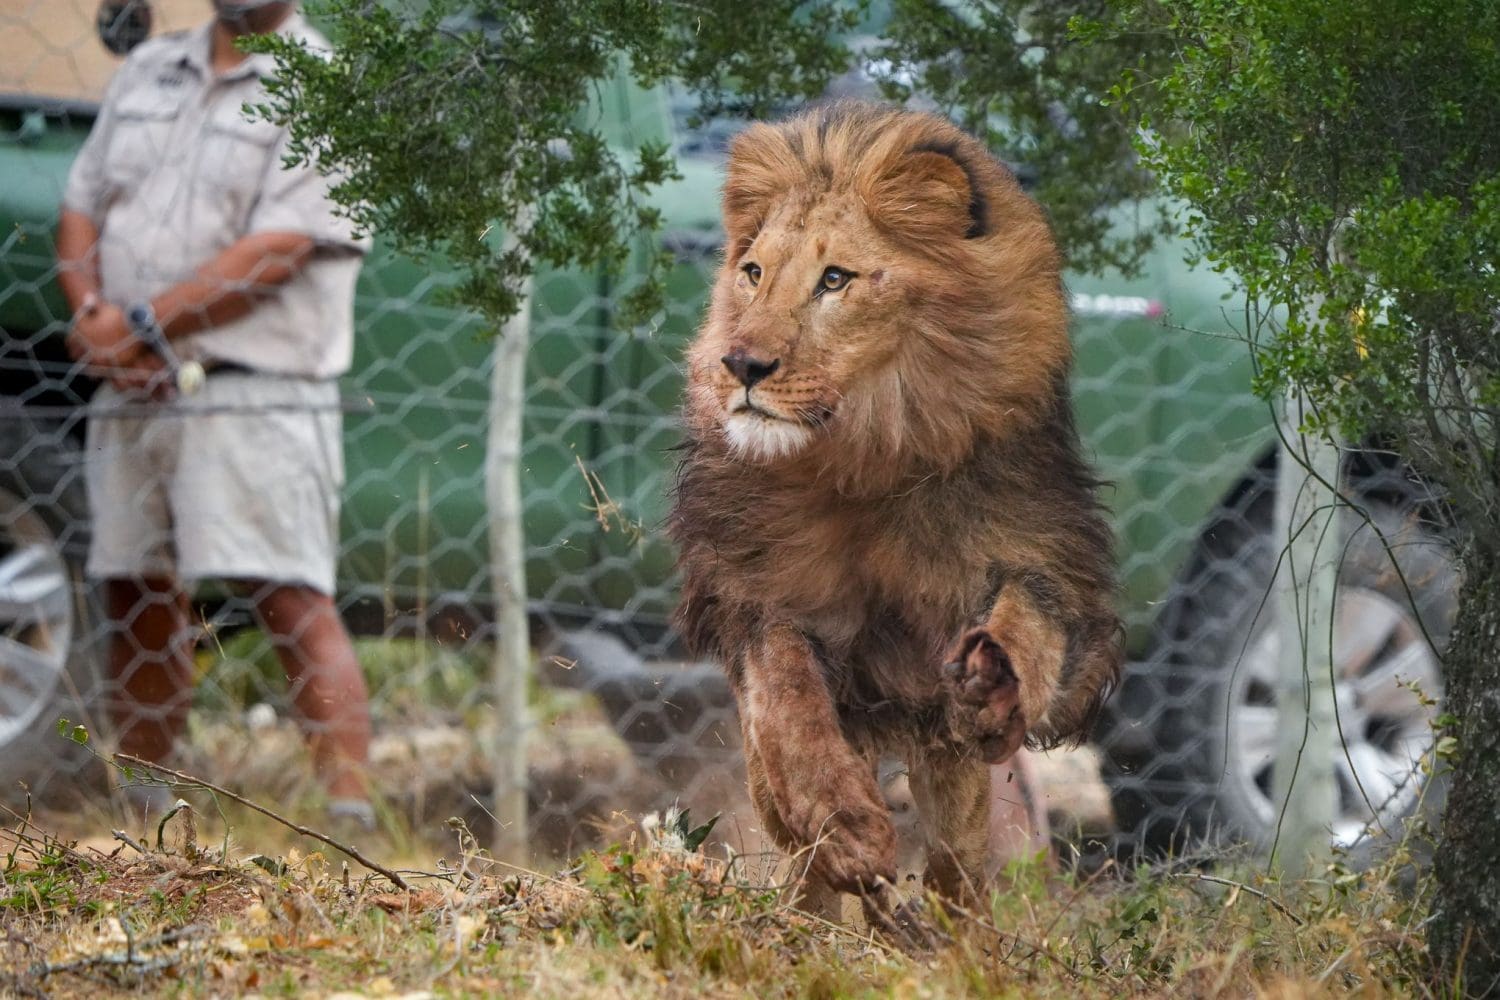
point(1307, 513)
point(510, 672)
point(1465, 934)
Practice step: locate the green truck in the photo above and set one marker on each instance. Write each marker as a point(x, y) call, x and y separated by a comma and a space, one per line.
point(1161, 385)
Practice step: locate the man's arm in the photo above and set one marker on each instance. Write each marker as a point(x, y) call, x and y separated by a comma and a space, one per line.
point(233, 283)
point(100, 335)
point(226, 288)
point(78, 262)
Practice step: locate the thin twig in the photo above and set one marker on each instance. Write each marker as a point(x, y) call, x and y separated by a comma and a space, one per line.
point(837, 928)
point(1037, 950)
point(521, 870)
point(191, 781)
point(48, 840)
point(1200, 877)
point(130, 841)
point(129, 959)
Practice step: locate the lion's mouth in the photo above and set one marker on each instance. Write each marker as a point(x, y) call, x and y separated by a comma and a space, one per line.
point(745, 406)
point(758, 433)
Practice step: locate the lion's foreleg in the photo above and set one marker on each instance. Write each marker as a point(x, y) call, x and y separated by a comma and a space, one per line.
point(810, 893)
point(1002, 675)
point(822, 793)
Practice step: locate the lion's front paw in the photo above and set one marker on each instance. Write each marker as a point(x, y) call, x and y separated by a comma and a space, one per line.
point(856, 850)
point(985, 696)
point(853, 847)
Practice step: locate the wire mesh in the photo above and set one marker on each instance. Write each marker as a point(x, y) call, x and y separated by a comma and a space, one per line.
point(621, 723)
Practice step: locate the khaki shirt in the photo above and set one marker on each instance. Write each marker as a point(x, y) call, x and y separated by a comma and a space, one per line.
point(175, 171)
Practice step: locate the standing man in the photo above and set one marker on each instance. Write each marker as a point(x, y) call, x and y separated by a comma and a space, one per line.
point(180, 218)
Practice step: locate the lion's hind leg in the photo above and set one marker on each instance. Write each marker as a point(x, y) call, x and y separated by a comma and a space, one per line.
point(952, 795)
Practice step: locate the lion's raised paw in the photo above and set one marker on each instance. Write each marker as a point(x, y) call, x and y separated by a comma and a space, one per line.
point(985, 696)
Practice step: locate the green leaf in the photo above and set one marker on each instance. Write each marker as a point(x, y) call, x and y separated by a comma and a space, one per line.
point(694, 838)
point(275, 866)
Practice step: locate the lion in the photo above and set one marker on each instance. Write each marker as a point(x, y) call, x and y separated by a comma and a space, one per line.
point(886, 533)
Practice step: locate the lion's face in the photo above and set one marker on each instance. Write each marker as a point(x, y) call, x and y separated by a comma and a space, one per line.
point(814, 302)
point(887, 290)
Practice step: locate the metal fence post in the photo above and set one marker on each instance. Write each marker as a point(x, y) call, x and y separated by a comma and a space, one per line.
point(510, 669)
point(1307, 508)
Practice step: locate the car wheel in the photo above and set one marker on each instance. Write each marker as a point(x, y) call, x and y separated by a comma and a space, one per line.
point(1190, 752)
point(47, 657)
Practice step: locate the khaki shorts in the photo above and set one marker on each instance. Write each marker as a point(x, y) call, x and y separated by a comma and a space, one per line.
point(240, 481)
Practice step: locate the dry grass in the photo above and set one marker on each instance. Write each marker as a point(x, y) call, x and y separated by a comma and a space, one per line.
point(650, 918)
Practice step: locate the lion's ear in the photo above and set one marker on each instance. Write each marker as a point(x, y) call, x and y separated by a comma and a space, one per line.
point(762, 166)
point(927, 194)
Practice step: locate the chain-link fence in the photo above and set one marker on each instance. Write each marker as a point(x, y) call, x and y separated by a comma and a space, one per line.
point(620, 723)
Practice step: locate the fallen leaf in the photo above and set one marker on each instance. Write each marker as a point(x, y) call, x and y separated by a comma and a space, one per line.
point(408, 902)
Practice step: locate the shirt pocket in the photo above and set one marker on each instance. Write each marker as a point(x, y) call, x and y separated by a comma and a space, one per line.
point(140, 138)
point(236, 152)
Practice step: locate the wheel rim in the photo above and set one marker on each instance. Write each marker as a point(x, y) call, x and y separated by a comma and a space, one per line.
point(1380, 654)
point(36, 616)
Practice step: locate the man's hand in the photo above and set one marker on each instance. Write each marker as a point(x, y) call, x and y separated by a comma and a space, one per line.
point(147, 375)
point(101, 337)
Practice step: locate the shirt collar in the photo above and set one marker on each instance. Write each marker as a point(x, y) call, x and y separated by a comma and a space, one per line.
point(197, 50)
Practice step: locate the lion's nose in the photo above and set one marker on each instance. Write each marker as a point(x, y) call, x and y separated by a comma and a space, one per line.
point(747, 369)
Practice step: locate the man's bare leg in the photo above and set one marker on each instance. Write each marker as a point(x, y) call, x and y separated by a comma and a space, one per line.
point(327, 685)
point(150, 664)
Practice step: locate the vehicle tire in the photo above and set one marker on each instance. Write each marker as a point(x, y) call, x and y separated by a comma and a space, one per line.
point(1189, 750)
point(48, 612)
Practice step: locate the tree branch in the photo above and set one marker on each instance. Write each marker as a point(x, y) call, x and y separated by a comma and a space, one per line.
point(191, 781)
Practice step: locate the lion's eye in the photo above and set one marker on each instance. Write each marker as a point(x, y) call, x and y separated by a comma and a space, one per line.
point(752, 271)
point(834, 279)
